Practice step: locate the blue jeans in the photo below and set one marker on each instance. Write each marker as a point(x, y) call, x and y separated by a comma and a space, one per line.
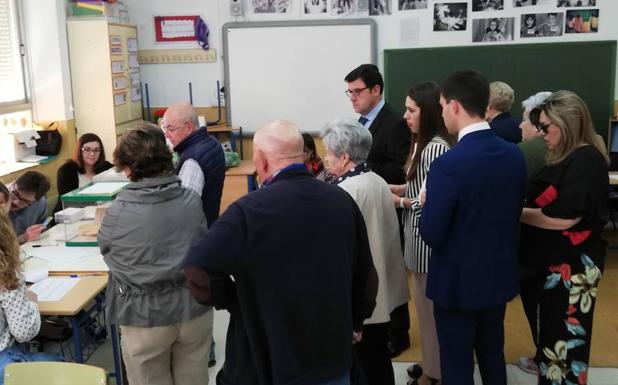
point(16, 354)
point(345, 380)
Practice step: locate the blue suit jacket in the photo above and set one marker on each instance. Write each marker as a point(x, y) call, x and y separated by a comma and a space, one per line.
point(471, 219)
point(507, 127)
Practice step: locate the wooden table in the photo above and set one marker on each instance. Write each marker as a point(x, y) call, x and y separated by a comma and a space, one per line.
point(613, 178)
point(238, 181)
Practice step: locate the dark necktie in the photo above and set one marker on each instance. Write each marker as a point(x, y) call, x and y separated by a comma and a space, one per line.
point(362, 120)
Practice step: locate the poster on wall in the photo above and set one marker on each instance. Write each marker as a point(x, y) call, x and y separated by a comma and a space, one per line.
point(541, 24)
point(577, 3)
point(175, 28)
point(450, 16)
point(131, 44)
point(529, 3)
point(315, 7)
point(487, 5)
point(582, 21)
point(271, 6)
point(379, 7)
point(120, 99)
point(493, 29)
point(405, 5)
point(342, 7)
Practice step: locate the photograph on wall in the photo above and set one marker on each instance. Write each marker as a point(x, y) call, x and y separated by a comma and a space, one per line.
point(541, 24)
point(582, 21)
point(493, 29)
point(342, 7)
point(315, 7)
point(577, 3)
point(450, 16)
point(487, 5)
point(379, 7)
point(528, 3)
point(271, 6)
point(405, 5)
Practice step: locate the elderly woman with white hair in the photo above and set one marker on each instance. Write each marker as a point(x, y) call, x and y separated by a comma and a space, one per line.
point(533, 145)
point(347, 146)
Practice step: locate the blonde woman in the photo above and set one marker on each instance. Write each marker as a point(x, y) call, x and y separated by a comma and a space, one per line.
point(561, 238)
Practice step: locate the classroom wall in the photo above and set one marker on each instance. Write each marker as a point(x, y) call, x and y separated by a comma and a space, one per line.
point(168, 82)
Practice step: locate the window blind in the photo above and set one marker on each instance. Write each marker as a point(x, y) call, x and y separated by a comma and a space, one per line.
point(12, 88)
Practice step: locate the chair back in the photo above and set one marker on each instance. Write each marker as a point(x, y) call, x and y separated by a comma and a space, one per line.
point(53, 373)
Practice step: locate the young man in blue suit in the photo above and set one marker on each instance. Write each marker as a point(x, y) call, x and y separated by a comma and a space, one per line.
point(475, 194)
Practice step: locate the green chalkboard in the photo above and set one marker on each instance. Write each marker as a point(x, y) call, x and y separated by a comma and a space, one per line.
point(586, 68)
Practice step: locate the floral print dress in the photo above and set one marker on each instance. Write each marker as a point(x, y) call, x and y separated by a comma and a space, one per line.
point(567, 264)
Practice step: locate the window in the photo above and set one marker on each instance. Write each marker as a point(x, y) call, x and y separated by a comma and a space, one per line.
point(12, 79)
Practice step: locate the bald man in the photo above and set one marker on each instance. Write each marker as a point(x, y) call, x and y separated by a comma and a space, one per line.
point(201, 164)
point(303, 277)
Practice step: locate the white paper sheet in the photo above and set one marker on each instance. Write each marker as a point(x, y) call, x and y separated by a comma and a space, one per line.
point(62, 254)
point(53, 289)
point(36, 275)
point(104, 188)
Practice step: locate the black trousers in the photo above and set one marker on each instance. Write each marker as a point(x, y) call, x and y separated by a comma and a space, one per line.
point(563, 298)
point(373, 355)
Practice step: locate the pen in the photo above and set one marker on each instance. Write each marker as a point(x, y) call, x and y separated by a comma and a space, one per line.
point(47, 244)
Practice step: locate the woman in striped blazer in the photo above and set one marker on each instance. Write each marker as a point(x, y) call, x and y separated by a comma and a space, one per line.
point(430, 139)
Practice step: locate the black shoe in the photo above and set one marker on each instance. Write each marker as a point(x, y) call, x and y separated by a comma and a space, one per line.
point(212, 363)
point(395, 349)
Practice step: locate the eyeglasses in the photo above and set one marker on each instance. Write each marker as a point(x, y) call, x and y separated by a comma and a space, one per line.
point(168, 128)
point(355, 92)
point(543, 127)
point(18, 198)
point(91, 150)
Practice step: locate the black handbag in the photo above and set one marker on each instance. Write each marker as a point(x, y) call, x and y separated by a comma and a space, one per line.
point(50, 141)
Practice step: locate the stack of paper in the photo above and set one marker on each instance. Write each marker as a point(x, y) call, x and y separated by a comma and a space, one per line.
point(53, 289)
point(69, 215)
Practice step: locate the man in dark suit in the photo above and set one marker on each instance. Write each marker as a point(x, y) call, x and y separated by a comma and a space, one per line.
point(501, 97)
point(295, 304)
point(389, 150)
point(470, 220)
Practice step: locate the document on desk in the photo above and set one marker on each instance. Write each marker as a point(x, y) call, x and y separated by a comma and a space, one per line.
point(63, 255)
point(53, 289)
point(103, 188)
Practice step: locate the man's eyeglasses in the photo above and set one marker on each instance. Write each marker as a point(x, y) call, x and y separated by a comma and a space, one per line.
point(91, 150)
point(18, 198)
point(168, 128)
point(355, 92)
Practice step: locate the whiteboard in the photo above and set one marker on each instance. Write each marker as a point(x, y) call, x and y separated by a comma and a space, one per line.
point(293, 70)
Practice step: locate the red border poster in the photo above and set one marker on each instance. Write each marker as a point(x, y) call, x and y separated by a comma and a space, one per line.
point(175, 28)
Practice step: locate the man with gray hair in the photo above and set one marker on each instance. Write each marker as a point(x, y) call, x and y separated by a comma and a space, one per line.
point(295, 304)
point(201, 166)
point(501, 97)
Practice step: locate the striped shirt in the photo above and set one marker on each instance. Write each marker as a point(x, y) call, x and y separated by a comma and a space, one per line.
point(417, 253)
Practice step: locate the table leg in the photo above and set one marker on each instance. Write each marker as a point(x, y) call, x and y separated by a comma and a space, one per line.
point(77, 343)
point(117, 357)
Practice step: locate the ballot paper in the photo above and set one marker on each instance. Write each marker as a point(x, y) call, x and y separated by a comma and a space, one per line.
point(53, 289)
point(63, 255)
point(36, 275)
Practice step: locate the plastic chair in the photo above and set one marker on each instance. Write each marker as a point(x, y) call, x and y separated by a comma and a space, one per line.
point(53, 373)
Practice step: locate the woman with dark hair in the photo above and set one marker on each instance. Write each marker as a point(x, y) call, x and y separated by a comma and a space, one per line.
point(429, 140)
point(313, 162)
point(562, 243)
point(144, 237)
point(88, 160)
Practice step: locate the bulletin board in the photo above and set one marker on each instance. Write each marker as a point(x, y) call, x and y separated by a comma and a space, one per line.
point(293, 70)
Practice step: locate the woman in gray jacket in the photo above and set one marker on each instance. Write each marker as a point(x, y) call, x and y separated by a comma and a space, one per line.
point(143, 238)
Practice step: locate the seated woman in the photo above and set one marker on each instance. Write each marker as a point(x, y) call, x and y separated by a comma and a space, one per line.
point(144, 237)
point(19, 316)
point(88, 160)
point(347, 145)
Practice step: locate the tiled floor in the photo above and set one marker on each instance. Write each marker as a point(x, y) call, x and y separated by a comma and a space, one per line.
point(598, 376)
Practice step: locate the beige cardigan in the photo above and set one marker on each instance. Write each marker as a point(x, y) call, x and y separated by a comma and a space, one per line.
point(373, 197)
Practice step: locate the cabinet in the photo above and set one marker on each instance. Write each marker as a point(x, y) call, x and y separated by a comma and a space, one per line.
point(105, 78)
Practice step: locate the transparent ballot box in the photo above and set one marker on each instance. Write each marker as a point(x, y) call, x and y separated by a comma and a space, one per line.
point(83, 210)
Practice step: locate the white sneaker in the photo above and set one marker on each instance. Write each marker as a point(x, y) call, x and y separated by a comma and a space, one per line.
point(528, 365)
